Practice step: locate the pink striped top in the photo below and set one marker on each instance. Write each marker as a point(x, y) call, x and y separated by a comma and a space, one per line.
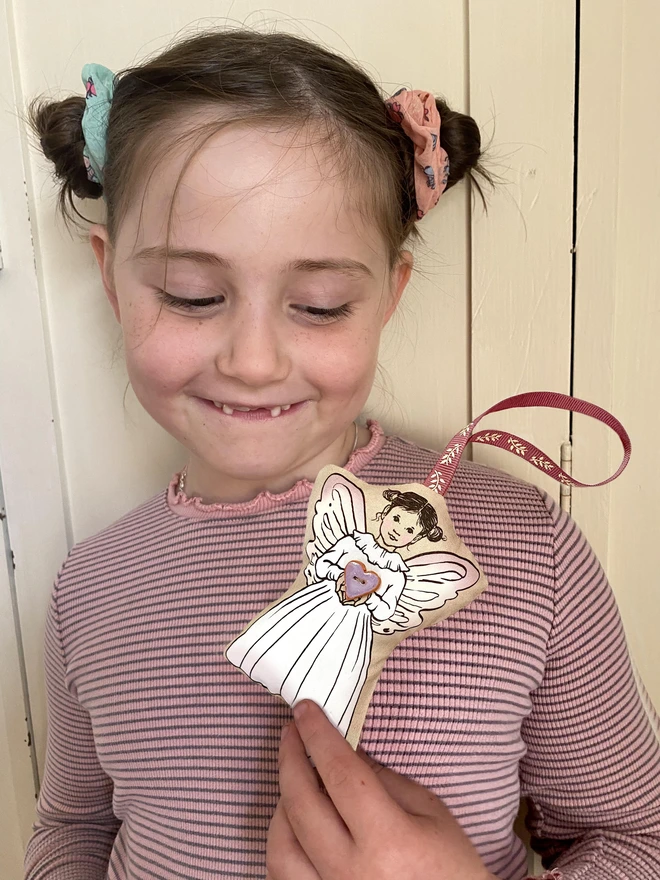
point(162, 757)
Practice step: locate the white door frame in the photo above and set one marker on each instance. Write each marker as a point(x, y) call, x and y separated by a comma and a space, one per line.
point(35, 532)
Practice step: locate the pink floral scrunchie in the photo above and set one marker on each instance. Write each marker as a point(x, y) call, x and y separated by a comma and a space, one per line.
point(418, 116)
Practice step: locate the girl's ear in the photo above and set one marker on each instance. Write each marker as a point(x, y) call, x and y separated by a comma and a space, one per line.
point(104, 253)
point(400, 278)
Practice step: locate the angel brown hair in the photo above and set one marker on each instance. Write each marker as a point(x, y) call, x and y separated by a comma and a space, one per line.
point(414, 503)
point(243, 76)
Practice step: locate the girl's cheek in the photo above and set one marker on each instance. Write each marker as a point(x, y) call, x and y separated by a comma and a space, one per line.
point(159, 360)
point(151, 332)
point(347, 359)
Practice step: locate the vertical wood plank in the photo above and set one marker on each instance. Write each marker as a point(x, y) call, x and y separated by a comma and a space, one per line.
point(595, 448)
point(634, 512)
point(522, 63)
point(422, 390)
point(33, 487)
point(16, 779)
point(617, 303)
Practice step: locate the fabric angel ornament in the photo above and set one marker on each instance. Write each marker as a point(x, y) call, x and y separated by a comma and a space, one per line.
point(379, 563)
point(372, 574)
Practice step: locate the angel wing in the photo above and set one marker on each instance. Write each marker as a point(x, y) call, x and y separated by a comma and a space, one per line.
point(431, 580)
point(340, 511)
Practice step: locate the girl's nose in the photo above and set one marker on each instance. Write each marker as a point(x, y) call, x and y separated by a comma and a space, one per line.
point(254, 352)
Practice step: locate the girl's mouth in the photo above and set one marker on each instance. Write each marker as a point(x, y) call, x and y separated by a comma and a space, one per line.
point(253, 413)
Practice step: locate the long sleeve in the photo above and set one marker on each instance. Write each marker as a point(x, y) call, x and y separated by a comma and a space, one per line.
point(76, 826)
point(592, 767)
point(382, 606)
point(379, 607)
point(327, 565)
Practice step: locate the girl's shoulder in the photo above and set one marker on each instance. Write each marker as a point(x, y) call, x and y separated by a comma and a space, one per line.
point(145, 529)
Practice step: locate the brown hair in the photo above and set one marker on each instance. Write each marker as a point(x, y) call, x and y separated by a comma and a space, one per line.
point(255, 77)
point(414, 503)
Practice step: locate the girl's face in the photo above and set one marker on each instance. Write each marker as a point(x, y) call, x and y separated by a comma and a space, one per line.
point(263, 348)
point(399, 528)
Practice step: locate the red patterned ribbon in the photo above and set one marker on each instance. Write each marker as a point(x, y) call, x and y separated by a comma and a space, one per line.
point(443, 473)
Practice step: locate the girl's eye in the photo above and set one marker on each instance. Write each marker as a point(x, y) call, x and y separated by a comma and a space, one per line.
point(409, 530)
point(321, 316)
point(318, 315)
point(396, 517)
point(191, 305)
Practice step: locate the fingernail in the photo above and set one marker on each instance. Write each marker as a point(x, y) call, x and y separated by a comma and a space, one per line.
point(285, 730)
point(299, 710)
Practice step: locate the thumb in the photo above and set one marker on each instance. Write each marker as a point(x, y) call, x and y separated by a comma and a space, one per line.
point(408, 794)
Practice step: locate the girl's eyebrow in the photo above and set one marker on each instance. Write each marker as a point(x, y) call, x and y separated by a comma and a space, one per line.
point(209, 258)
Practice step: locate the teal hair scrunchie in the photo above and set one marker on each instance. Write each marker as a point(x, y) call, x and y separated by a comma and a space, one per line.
point(99, 84)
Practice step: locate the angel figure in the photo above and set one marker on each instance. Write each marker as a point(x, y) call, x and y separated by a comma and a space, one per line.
point(316, 642)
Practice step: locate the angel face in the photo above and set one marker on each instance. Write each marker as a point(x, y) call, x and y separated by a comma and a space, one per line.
point(399, 528)
point(263, 376)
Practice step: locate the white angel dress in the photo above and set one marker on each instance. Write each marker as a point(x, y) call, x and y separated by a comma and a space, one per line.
point(310, 645)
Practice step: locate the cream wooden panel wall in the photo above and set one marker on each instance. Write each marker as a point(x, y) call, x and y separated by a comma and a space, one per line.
point(16, 779)
point(522, 61)
point(114, 457)
point(617, 358)
point(34, 531)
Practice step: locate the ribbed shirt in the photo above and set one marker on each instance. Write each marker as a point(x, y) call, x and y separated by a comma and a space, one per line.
point(162, 757)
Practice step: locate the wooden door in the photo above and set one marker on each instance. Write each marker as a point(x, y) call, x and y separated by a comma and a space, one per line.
point(617, 305)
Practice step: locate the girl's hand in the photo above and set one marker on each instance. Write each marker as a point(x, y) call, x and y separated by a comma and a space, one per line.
point(340, 588)
point(372, 823)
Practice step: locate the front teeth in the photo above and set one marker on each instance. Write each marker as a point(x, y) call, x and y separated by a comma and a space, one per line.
point(229, 411)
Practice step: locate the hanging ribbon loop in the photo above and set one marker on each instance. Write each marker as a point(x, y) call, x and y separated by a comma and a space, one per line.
point(443, 473)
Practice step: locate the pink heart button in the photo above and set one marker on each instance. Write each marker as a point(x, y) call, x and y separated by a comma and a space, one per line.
point(359, 581)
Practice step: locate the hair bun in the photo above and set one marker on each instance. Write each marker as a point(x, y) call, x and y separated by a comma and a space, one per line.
point(58, 125)
point(461, 138)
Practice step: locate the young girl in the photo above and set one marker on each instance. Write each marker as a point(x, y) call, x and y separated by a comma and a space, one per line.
point(259, 197)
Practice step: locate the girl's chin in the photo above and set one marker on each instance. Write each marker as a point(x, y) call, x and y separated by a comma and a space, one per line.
point(271, 466)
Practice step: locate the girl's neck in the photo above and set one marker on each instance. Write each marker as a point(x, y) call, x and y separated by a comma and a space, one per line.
point(212, 487)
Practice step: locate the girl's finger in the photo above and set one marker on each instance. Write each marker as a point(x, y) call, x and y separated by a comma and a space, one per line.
point(311, 814)
point(355, 790)
point(285, 858)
